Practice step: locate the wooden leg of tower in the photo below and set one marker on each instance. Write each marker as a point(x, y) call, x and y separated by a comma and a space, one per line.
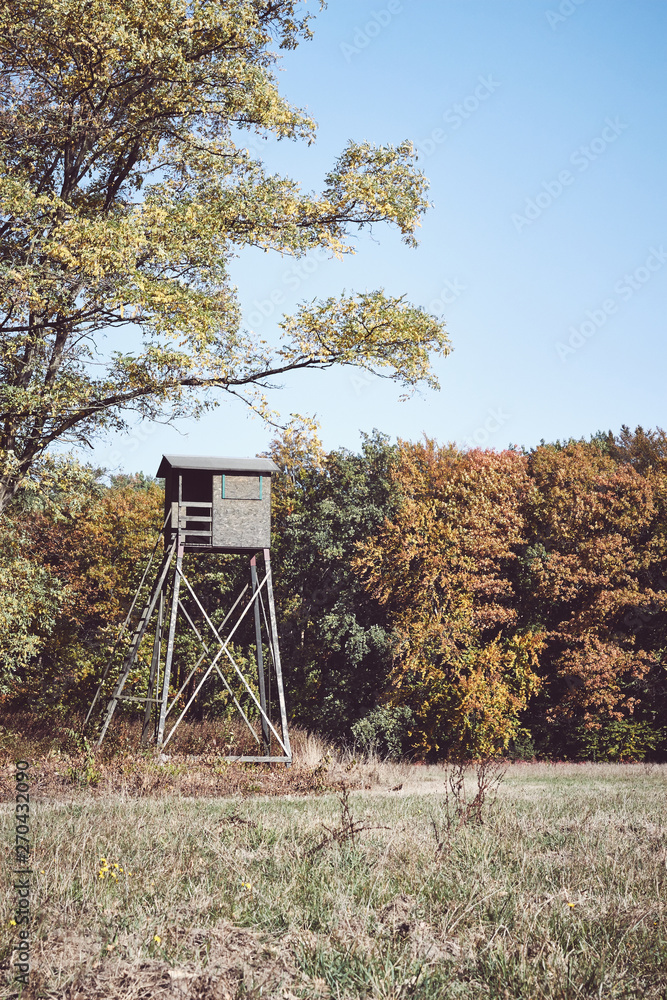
point(266, 735)
point(155, 662)
point(170, 645)
point(276, 655)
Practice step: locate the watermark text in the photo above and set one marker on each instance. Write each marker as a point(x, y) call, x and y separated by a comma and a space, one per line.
point(581, 159)
point(625, 288)
point(22, 873)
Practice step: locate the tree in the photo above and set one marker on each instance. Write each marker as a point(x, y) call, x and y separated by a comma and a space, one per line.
point(71, 559)
point(334, 638)
point(593, 576)
point(440, 566)
point(125, 192)
point(641, 449)
point(31, 598)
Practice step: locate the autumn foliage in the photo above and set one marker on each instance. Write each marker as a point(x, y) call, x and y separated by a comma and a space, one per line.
point(89, 543)
point(442, 569)
point(597, 554)
point(431, 601)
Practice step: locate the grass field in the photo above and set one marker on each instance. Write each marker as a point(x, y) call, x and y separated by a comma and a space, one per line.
point(560, 893)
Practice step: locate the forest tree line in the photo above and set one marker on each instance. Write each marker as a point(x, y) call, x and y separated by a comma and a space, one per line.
point(431, 601)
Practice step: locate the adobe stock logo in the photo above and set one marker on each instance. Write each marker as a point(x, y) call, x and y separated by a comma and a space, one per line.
point(457, 114)
point(363, 36)
point(451, 289)
point(625, 288)
point(566, 8)
point(362, 379)
point(129, 445)
point(298, 273)
point(495, 419)
point(581, 158)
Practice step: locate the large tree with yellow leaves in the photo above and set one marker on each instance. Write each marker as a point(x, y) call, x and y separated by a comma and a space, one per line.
point(125, 190)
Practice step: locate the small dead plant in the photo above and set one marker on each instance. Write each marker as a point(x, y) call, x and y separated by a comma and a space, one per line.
point(462, 807)
point(233, 819)
point(348, 828)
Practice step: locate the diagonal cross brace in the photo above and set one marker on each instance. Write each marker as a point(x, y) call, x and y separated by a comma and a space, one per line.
point(207, 652)
point(223, 648)
point(201, 658)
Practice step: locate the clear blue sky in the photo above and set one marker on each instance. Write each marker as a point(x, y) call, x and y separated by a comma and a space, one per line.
point(542, 130)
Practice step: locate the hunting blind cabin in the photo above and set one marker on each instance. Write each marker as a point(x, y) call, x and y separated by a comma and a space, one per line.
point(217, 505)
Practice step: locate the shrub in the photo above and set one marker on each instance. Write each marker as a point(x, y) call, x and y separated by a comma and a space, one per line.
point(617, 739)
point(522, 746)
point(385, 731)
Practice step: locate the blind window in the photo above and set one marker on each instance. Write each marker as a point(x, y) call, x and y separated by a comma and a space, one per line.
point(241, 487)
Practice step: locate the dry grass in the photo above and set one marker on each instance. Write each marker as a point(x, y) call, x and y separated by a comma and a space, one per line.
point(66, 765)
point(559, 894)
point(26, 735)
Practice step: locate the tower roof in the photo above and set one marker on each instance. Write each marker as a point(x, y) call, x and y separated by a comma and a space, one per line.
point(214, 463)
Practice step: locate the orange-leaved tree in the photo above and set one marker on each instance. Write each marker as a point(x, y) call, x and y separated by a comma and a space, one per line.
point(93, 541)
point(597, 558)
point(441, 569)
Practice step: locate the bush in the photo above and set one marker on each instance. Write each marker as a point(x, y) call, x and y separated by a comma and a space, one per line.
point(522, 747)
point(618, 739)
point(385, 731)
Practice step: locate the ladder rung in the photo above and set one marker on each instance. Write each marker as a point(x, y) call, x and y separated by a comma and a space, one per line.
point(132, 697)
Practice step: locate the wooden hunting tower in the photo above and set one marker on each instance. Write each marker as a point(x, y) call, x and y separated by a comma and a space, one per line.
point(211, 505)
point(218, 504)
